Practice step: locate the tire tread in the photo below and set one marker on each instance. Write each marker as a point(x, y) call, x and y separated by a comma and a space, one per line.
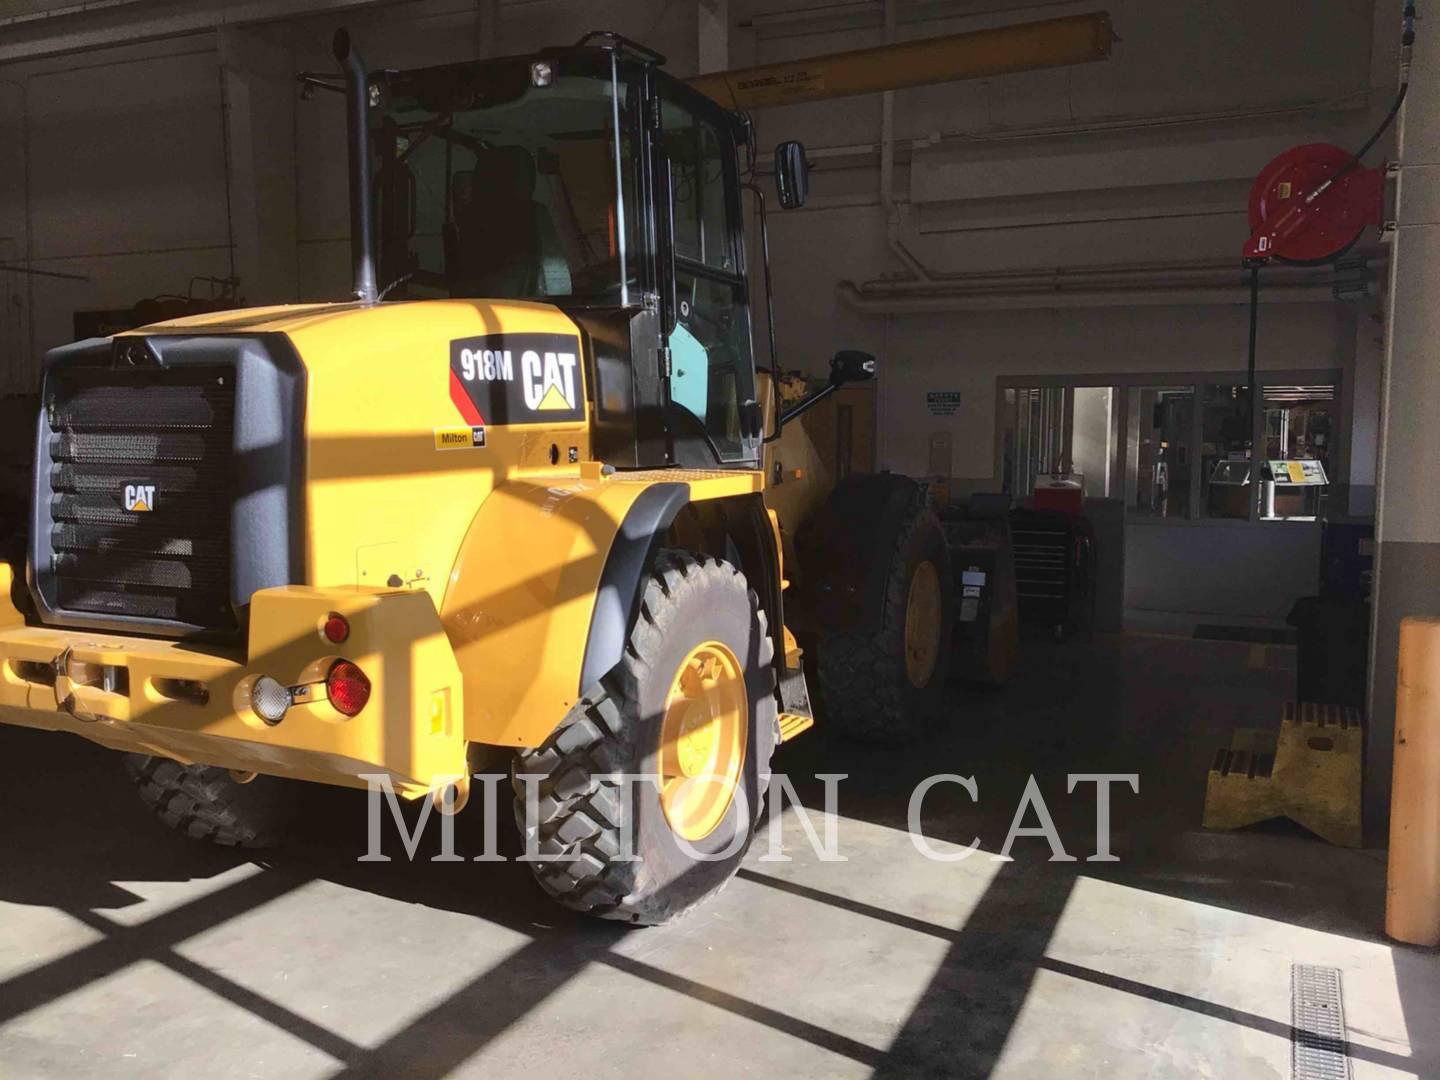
point(581, 814)
point(200, 801)
point(862, 677)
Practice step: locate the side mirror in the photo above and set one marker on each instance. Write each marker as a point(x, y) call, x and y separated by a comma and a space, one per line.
point(792, 174)
point(851, 365)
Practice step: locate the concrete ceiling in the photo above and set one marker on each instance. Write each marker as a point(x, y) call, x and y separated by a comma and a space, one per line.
point(34, 28)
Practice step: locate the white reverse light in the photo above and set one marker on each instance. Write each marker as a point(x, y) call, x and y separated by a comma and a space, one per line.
point(269, 699)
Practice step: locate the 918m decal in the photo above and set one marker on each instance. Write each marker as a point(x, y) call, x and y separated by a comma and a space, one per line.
point(516, 379)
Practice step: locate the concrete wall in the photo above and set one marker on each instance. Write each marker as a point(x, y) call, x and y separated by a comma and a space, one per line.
point(151, 163)
point(189, 155)
point(1220, 569)
point(1408, 524)
point(971, 352)
point(1118, 163)
point(125, 162)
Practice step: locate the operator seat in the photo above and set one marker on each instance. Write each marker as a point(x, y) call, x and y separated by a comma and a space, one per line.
point(504, 241)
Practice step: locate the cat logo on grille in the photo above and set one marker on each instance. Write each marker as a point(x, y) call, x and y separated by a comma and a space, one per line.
point(140, 498)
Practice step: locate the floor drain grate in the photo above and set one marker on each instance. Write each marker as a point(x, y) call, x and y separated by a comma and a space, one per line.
point(1318, 1050)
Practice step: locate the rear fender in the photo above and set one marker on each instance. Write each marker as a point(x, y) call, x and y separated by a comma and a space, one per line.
point(541, 596)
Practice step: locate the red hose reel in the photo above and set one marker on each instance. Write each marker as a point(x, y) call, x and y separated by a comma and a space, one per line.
point(1311, 203)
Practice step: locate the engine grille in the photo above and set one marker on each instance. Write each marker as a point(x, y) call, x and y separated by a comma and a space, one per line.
point(141, 487)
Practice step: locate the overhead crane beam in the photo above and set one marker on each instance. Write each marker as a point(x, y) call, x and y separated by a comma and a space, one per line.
point(1004, 50)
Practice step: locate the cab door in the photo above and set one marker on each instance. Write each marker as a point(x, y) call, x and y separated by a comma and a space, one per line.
point(711, 388)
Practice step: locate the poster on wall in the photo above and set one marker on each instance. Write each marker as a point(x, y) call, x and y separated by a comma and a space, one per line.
point(942, 402)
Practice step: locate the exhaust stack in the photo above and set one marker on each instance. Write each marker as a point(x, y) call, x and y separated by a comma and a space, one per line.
point(357, 105)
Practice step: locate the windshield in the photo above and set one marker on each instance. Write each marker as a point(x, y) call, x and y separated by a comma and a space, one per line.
point(492, 186)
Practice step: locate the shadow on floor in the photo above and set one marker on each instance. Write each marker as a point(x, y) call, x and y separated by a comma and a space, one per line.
point(1153, 707)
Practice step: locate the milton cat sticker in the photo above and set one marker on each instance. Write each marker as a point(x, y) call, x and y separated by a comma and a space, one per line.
point(517, 379)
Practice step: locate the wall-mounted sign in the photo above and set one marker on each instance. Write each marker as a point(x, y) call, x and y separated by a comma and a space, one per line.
point(942, 402)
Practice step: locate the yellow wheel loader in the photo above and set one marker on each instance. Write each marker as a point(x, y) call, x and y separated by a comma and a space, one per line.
point(507, 513)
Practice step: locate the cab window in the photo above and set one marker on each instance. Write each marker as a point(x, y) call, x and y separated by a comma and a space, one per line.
point(712, 368)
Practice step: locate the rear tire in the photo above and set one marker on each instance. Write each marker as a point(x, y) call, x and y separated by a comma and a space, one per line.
point(888, 686)
point(690, 603)
point(205, 803)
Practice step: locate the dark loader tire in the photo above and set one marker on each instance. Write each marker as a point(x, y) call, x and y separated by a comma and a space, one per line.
point(687, 599)
point(864, 685)
point(204, 803)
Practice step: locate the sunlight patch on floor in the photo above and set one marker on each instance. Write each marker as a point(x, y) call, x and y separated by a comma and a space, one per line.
point(323, 940)
point(142, 1021)
point(32, 936)
point(1163, 983)
point(153, 898)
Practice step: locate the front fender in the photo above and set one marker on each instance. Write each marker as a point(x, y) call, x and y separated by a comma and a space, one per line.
point(540, 597)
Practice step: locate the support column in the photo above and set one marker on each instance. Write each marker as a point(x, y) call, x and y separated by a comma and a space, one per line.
point(713, 25)
point(260, 94)
point(1407, 571)
point(1364, 419)
point(487, 28)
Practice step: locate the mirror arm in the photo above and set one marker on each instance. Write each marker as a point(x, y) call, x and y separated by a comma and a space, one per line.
point(752, 156)
point(310, 82)
point(806, 404)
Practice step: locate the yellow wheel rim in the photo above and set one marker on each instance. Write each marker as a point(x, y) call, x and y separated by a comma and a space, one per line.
point(922, 625)
point(702, 740)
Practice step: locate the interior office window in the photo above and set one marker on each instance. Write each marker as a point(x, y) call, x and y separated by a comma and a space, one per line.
point(1300, 427)
point(1161, 466)
point(1094, 439)
point(1034, 441)
point(1047, 430)
point(1300, 423)
point(1225, 473)
point(1007, 439)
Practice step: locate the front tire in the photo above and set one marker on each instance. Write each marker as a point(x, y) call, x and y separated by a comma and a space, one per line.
point(692, 697)
point(888, 686)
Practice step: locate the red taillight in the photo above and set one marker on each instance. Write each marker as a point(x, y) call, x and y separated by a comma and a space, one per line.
point(348, 687)
point(337, 629)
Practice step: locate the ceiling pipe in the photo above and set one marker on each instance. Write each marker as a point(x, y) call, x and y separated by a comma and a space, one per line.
point(1136, 284)
point(941, 302)
point(896, 216)
point(1216, 272)
point(1348, 108)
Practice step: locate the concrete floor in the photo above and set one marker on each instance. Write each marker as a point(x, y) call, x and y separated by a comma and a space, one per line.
point(125, 951)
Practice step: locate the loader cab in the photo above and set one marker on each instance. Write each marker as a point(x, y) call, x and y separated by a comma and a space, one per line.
point(590, 179)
